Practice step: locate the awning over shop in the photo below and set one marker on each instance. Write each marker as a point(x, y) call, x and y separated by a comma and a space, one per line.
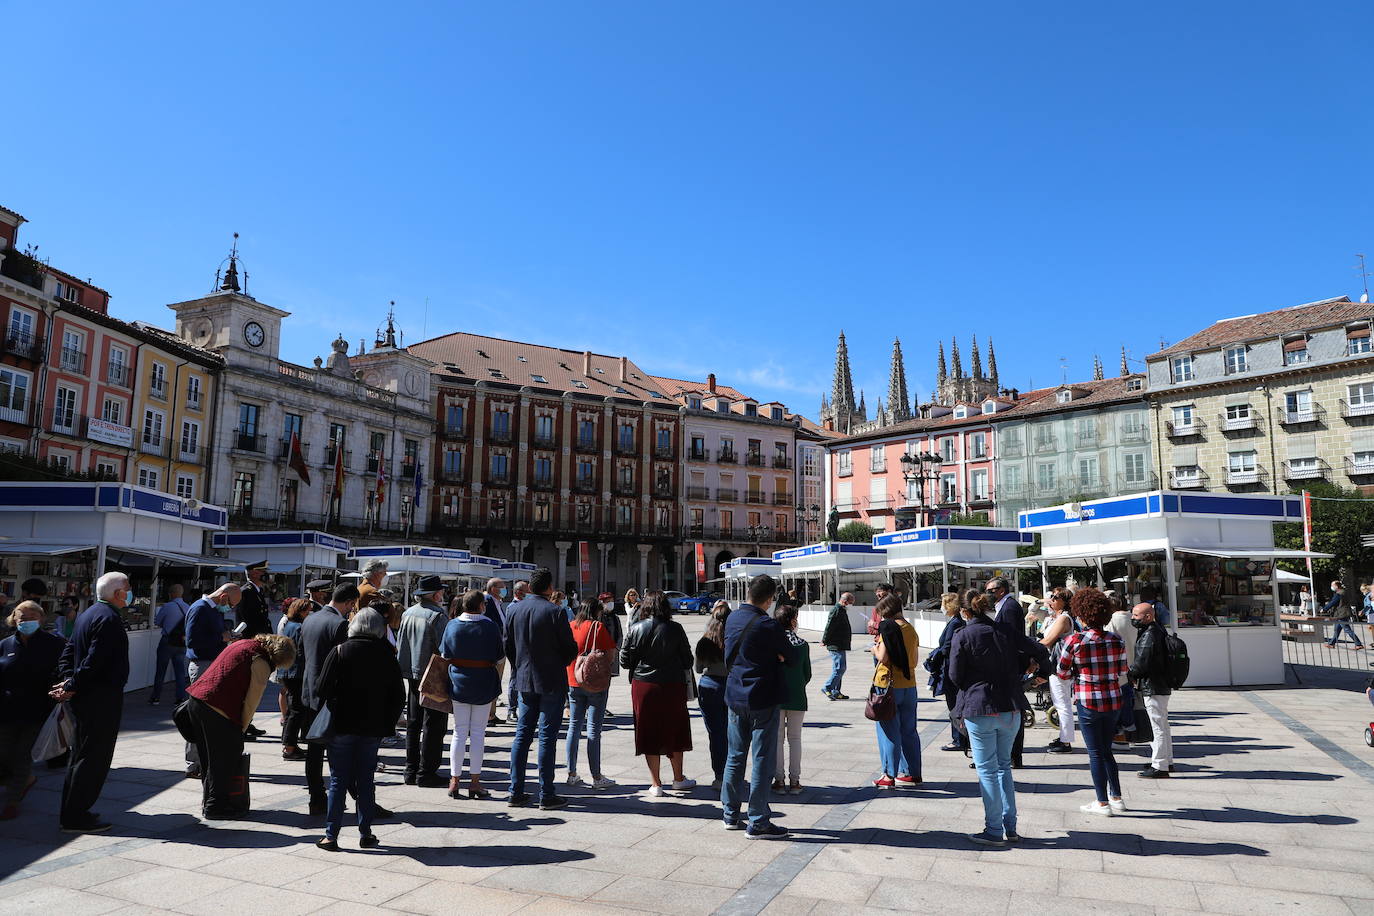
point(1266, 553)
point(18, 548)
point(175, 558)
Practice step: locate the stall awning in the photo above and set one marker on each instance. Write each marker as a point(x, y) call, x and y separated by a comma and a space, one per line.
point(175, 558)
point(41, 550)
point(1266, 553)
point(1070, 560)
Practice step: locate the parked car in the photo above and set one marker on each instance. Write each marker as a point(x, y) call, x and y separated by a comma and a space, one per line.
point(674, 598)
point(700, 603)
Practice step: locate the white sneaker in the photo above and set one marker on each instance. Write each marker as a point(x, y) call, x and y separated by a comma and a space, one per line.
point(1095, 808)
point(683, 785)
point(575, 780)
point(656, 792)
point(1117, 805)
point(603, 782)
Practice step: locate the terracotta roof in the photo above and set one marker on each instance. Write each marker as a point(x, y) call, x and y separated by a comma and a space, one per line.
point(930, 424)
point(1096, 393)
point(1325, 313)
point(480, 359)
point(18, 216)
point(677, 386)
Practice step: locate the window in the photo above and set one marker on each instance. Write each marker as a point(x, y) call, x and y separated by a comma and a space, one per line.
point(64, 409)
point(543, 512)
point(152, 427)
point(1363, 462)
point(1298, 406)
point(539, 378)
point(586, 433)
point(877, 459)
point(1087, 471)
point(665, 440)
point(627, 437)
point(453, 418)
point(453, 462)
point(1360, 398)
point(978, 444)
point(190, 437)
point(291, 426)
point(1011, 479)
point(578, 383)
point(500, 424)
point(947, 450)
point(627, 476)
point(844, 463)
point(543, 428)
point(751, 410)
point(186, 486)
point(1135, 384)
point(1183, 418)
point(1181, 369)
point(1357, 341)
point(694, 402)
point(1302, 467)
point(61, 460)
point(410, 449)
point(960, 412)
point(1295, 351)
point(1133, 468)
point(14, 393)
point(624, 515)
point(248, 419)
point(1242, 465)
point(698, 447)
point(147, 477)
point(107, 469)
point(241, 498)
point(1236, 360)
point(989, 407)
point(586, 472)
point(1064, 397)
point(978, 484)
point(1187, 474)
point(500, 467)
point(727, 446)
point(775, 413)
point(811, 462)
point(1132, 425)
point(1087, 429)
point(21, 327)
point(877, 493)
point(1045, 478)
point(73, 351)
point(193, 392)
point(949, 488)
point(158, 382)
point(727, 520)
point(377, 445)
point(1237, 416)
point(543, 470)
point(338, 432)
point(112, 411)
point(117, 369)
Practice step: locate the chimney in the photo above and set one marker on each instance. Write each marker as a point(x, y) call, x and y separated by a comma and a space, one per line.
point(624, 368)
point(587, 363)
point(711, 383)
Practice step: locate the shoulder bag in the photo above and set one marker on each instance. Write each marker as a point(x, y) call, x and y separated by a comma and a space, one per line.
point(592, 670)
point(881, 705)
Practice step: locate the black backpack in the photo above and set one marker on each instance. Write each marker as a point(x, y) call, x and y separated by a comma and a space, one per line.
point(1176, 657)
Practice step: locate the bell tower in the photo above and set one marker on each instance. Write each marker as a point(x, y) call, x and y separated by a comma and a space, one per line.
point(229, 320)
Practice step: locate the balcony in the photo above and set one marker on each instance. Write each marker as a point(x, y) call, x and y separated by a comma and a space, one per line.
point(979, 454)
point(1305, 469)
point(698, 492)
point(1359, 466)
point(331, 455)
point(663, 452)
point(373, 463)
point(541, 441)
point(782, 499)
point(117, 374)
point(408, 467)
point(948, 498)
point(584, 486)
point(543, 483)
point(150, 444)
point(1134, 483)
point(1237, 424)
point(248, 441)
point(1299, 416)
point(1086, 487)
point(727, 456)
point(877, 467)
point(1012, 448)
point(622, 447)
point(753, 460)
point(72, 360)
point(1012, 490)
point(782, 462)
point(663, 492)
point(756, 498)
point(193, 400)
point(727, 495)
point(452, 476)
point(1041, 446)
point(1243, 477)
point(586, 446)
point(284, 449)
point(845, 470)
point(1133, 434)
point(980, 499)
point(498, 480)
point(1182, 430)
point(194, 455)
point(67, 424)
point(499, 436)
point(1187, 480)
point(25, 346)
point(158, 392)
point(453, 431)
point(625, 489)
point(1087, 437)
point(876, 503)
point(1354, 411)
point(697, 454)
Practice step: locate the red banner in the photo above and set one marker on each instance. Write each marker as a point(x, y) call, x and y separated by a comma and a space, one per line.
point(701, 563)
point(584, 564)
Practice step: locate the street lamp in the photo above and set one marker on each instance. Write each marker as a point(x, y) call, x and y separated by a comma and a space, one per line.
point(810, 517)
point(758, 534)
point(918, 468)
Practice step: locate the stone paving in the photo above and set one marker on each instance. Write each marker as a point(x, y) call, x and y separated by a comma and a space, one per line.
point(1270, 812)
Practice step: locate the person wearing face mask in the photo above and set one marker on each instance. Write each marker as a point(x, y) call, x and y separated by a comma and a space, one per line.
point(207, 631)
point(493, 610)
point(1150, 672)
point(28, 664)
point(94, 667)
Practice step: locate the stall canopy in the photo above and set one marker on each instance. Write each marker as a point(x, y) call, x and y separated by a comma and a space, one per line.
point(1260, 553)
point(828, 557)
point(26, 548)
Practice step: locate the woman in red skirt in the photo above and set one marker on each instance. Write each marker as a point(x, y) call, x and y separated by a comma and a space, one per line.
point(659, 661)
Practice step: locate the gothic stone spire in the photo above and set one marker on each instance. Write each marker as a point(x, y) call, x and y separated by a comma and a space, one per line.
point(957, 364)
point(976, 360)
point(941, 374)
point(898, 403)
point(1097, 368)
point(1125, 369)
point(842, 395)
point(992, 366)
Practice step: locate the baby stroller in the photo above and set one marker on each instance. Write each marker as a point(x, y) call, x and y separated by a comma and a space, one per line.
point(1041, 701)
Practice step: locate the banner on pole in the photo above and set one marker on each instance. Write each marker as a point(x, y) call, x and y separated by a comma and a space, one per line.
point(584, 564)
point(701, 563)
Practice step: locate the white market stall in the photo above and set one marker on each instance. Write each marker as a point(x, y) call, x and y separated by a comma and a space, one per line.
point(840, 566)
point(410, 561)
point(302, 555)
point(1209, 556)
point(736, 574)
point(69, 534)
point(962, 554)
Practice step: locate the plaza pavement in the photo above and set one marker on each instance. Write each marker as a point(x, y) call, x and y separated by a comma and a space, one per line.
point(1270, 812)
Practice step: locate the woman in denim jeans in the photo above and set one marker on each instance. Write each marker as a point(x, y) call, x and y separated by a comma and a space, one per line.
point(1094, 660)
point(585, 707)
point(899, 747)
point(709, 661)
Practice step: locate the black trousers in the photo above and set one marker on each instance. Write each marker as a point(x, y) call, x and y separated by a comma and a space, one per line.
point(219, 742)
point(314, 760)
point(1019, 744)
point(295, 712)
point(425, 730)
point(956, 734)
point(97, 715)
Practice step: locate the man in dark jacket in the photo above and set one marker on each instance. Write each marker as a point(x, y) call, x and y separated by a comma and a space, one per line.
point(417, 640)
point(321, 632)
point(1150, 674)
point(1010, 618)
point(756, 648)
point(838, 639)
point(539, 647)
point(94, 668)
point(252, 607)
point(1339, 612)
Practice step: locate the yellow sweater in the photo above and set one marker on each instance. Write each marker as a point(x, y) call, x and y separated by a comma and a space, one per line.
point(913, 644)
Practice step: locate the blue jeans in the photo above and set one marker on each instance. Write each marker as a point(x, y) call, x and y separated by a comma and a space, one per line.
point(589, 708)
point(1125, 721)
point(753, 732)
point(352, 766)
point(716, 718)
point(991, 738)
point(1098, 728)
point(1343, 626)
point(544, 711)
point(899, 748)
point(839, 663)
point(175, 656)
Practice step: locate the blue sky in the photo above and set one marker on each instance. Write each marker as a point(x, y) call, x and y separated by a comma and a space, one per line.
point(707, 186)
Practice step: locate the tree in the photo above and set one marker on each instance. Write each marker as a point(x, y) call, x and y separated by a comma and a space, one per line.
point(1340, 520)
point(971, 519)
point(856, 533)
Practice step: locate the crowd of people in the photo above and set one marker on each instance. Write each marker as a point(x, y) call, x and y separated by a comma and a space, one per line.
point(350, 662)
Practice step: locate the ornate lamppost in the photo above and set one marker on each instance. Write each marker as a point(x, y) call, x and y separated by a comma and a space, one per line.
point(918, 468)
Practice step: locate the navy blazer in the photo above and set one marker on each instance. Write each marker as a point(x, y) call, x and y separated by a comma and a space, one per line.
point(756, 679)
point(987, 665)
point(97, 656)
point(539, 645)
point(320, 633)
point(205, 628)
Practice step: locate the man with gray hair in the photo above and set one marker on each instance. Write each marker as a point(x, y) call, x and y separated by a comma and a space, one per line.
point(94, 668)
point(417, 640)
point(374, 574)
point(207, 632)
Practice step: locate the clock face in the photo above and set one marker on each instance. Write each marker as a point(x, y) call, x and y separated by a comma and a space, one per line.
point(253, 334)
point(412, 383)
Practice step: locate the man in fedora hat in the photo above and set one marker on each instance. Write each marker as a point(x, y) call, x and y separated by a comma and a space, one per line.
point(417, 639)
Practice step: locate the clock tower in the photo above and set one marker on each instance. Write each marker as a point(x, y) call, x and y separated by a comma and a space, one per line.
point(229, 320)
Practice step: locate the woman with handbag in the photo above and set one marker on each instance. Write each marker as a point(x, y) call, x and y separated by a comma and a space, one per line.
point(472, 646)
point(589, 680)
point(894, 686)
point(658, 658)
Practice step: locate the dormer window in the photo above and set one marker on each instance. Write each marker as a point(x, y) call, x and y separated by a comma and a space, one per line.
point(776, 413)
point(522, 359)
point(539, 378)
point(578, 383)
point(1135, 384)
point(495, 373)
point(989, 407)
point(1064, 396)
point(1237, 359)
point(694, 403)
point(1295, 351)
point(1357, 340)
point(1181, 369)
point(751, 410)
point(600, 371)
point(960, 412)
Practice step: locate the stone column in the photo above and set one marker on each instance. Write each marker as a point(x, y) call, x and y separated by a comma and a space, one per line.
point(561, 570)
point(644, 550)
point(605, 548)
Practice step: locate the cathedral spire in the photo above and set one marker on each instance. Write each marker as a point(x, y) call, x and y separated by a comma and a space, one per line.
point(976, 360)
point(941, 374)
point(1125, 369)
point(992, 366)
point(842, 395)
point(863, 410)
point(1097, 368)
point(898, 403)
point(956, 364)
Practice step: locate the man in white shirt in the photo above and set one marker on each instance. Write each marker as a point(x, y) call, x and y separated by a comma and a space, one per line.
point(171, 646)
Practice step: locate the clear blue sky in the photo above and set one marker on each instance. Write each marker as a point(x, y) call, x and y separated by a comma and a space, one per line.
point(707, 185)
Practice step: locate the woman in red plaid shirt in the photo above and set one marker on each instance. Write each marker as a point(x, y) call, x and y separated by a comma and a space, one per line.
point(1095, 660)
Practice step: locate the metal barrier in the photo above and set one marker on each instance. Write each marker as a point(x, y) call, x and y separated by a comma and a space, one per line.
point(1306, 638)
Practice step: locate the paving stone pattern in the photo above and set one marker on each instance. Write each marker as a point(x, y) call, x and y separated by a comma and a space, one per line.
point(1269, 813)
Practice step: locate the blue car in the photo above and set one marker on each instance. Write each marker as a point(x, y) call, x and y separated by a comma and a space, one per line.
point(700, 603)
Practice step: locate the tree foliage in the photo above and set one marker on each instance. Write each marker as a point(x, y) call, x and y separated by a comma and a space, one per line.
point(972, 519)
point(1338, 527)
point(856, 533)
